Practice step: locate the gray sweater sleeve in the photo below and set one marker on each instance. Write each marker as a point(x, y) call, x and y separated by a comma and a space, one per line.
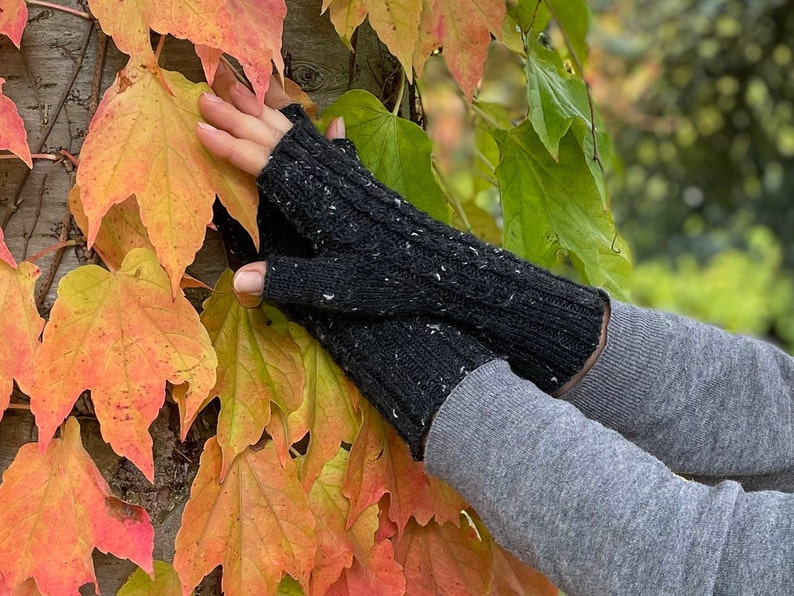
point(591, 510)
point(709, 404)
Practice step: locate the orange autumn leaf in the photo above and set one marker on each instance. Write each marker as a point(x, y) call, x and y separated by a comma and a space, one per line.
point(511, 576)
point(257, 524)
point(380, 574)
point(20, 327)
point(142, 141)
point(13, 135)
point(380, 463)
point(444, 559)
point(250, 30)
point(328, 410)
point(120, 232)
point(55, 508)
point(13, 16)
point(337, 545)
point(122, 336)
point(259, 363)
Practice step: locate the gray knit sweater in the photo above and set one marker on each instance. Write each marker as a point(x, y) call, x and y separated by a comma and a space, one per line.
point(602, 511)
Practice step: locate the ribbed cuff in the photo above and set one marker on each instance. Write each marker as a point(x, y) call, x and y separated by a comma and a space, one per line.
point(613, 391)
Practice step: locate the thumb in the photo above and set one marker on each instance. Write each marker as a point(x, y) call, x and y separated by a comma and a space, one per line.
point(336, 129)
point(250, 279)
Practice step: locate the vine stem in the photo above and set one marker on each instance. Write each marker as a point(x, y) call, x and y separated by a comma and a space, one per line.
point(400, 93)
point(71, 11)
point(53, 248)
point(48, 156)
point(160, 44)
point(19, 407)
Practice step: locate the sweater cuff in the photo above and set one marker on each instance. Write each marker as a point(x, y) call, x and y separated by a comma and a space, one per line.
point(623, 377)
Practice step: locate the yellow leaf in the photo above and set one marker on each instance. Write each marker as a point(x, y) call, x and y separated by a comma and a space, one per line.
point(142, 141)
point(122, 336)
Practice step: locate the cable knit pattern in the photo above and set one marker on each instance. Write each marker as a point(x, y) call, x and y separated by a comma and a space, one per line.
point(377, 254)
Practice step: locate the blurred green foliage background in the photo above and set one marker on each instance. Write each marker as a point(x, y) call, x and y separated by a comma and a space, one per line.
point(698, 97)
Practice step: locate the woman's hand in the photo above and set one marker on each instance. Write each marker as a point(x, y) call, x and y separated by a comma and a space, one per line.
point(240, 129)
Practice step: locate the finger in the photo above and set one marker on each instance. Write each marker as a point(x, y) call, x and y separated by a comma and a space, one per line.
point(225, 116)
point(336, 129)
point(276, 97)
point(247, 155)
point(250, 279)
point(223, 82)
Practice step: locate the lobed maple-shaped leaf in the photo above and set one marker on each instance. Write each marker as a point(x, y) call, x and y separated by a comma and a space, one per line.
point(20, 326)
point(380, 463)
point(412, 29)
point(258, 363)
point(122, 336)
point(13, 135)
point(120, 232)
point(55, 508)
point(328, 410)
point(248, 29)
point(463, 29)
point(379, 574)
point(257, 524)
point(444, 559)
point(337, 545)
point(142, 141)
point(13, 17)
point(164, 583)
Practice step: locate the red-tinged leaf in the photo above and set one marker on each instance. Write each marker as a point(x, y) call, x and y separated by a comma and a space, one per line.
point(257, 27)
point(5, 254)
point(209, 60)
point(13, 135)
point(443, 559)
point(440, 502)
point(258, 363)
point(142, 141)
point(336, 544)
point(248, 29)
point(122, 336)
point(26, 588)
point(380, 463)
point(165, 582)
point(329, 407)
point(511, 576)
point(257, 524)
point(13, 16)
point(120, 232)
point(464, 28)
point(55, 508)
point(379, 575)
point(20, 328)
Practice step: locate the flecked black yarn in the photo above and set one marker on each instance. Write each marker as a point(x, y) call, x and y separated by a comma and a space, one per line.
point(376, 254)
point(405, 366)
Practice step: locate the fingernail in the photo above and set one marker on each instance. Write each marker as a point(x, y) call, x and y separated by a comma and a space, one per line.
point(212, 98)
point(248, 282)
point(206, 126)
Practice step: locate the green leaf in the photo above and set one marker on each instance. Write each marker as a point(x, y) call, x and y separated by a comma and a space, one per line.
point(573, 17)
point(165, 582)
point(529, 14)
point(396, 150)
point(555, 205)
point(556, 98)
point(289, 587)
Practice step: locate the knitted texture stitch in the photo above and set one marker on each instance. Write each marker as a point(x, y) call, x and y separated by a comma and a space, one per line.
point(377, 254)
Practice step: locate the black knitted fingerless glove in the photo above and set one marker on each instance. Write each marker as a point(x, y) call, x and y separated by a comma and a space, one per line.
point(376, 254)
point(405, 366)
